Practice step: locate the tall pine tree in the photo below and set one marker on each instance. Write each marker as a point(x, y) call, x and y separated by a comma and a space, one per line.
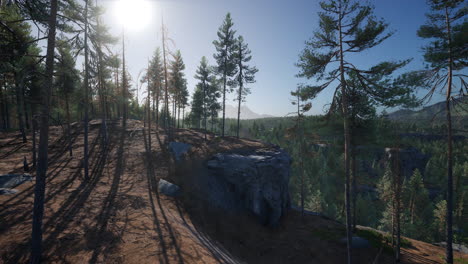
point(245, 74)
point(445, 55)
point(347, 27)
point(225, 58)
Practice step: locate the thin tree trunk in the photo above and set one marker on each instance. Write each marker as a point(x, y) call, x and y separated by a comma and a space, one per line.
point(449, 249)
point(2, 107)
point(346, 142)
point(86, 96)
point(149, 114)
point(25, 109)
point(354, 184)
point(39, 188)
point(224, 95)
point(101, 88)
point(204, 107)
point(34, 129)
point(19, 105)
point(67, 106)
point(124, 84)
point(398, 205)
point(183, 117)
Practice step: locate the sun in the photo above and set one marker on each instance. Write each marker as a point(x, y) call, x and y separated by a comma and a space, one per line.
point(133, 14)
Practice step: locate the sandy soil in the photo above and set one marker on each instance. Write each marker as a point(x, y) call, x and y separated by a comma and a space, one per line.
point(117, 216)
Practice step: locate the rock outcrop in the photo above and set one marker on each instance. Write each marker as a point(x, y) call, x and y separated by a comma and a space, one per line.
point(256, 181)
point(13, 180)
point(179, 149)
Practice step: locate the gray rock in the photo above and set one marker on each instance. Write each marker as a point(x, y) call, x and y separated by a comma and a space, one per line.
point(457, 247)
point(256, 181)
point(13, 180)
point(168, 188)
point(179, 149)
point(357, 242)
point(6, 191)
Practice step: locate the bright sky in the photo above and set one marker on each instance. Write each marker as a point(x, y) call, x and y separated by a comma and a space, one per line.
point(275, 31)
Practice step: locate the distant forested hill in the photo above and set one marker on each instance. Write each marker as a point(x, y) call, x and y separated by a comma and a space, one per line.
point(435, 112)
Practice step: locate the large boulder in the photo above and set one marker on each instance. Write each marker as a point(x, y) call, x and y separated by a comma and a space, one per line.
point(256, 181)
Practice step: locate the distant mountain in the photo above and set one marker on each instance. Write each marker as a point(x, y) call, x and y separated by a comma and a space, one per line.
point(434, 112)
point(246, 113)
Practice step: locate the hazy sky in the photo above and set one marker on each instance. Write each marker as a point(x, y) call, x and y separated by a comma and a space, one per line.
point(275, 31)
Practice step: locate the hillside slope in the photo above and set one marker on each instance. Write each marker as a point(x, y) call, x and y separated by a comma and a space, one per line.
point(117, 216)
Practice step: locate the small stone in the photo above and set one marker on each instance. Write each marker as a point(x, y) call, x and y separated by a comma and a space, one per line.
point(5, 191)
point(168, 188)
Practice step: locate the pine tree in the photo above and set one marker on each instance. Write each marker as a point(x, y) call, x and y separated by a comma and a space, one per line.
point(178, 84)
point(205, 76)
point(348, 27)
point(446, 54)
point(196, 113)
point(156, 77)
point(245, 74)
point(224, 57)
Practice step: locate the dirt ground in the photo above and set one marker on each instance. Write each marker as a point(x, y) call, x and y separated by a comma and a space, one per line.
point(117, 215)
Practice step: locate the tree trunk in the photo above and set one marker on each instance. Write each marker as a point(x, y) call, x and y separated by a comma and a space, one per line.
point(86, 96)
point(346, 142)
point(224, 95)
point(183, 117)
point(19, 104)
point(449, 250)
point(354, 184)
point(34, 129)
point(25, 109)
point(204, 107)
point(67, 106)
point(149, 116)
point(39, 188)
point(102, 93)
point(124, 84)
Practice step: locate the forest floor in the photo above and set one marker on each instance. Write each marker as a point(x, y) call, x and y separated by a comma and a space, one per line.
point(117, 215)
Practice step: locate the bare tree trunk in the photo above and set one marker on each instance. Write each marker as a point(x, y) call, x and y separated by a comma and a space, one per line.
point(101, 83)
point(19, 105)
point(34, 129)
point(224, 95)
point(354, 184)
point(449, 249)
point(124, 84)
point(149, 114)
point(86, 96)
point(67, 106)
point(239, 108)
point(25, 109)
point(204, 107)
point(183, 117)
point(346, 142)
point(39, 188)
point(3, 106)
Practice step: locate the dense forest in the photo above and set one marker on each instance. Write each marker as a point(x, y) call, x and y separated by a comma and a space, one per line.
point(380, 156)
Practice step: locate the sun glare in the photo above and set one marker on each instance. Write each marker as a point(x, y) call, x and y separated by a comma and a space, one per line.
point(133, 14)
